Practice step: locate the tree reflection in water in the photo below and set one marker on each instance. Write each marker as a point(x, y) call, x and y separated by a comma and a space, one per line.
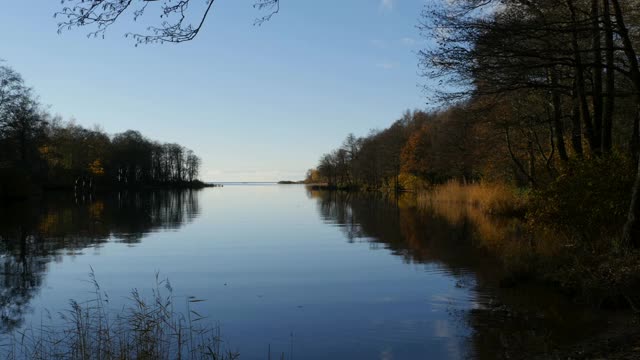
point(504, 322)
point(39, 231)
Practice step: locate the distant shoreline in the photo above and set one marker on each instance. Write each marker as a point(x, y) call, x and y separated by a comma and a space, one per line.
point(289, 182)
point(37, 191)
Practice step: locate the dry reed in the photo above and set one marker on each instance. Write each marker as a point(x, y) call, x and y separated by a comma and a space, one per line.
point(492, 198)
point(145, 329)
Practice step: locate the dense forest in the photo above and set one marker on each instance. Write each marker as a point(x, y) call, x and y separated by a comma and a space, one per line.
point(541, 95)
point(40, 151)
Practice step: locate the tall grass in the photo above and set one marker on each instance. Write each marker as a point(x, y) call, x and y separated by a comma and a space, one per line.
point(145, 329)
point(490, 209)
point(492, 198)
point(593, 271)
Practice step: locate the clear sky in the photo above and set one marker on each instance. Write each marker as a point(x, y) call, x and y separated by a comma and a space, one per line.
point(255, 102)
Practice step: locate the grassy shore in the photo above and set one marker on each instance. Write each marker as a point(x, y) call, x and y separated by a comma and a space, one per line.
point(28, 190)
point(491, 198)
point(595, 270)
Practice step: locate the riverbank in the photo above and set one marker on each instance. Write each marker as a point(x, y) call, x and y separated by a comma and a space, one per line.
point(27, 190)
point(491, 198)
point(332, 187)
point(178, 185)
point(289, 182)
point(518, 227)
point(594, 270)
point(619, 342)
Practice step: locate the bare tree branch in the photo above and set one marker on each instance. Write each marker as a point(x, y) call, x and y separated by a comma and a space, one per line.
point(178, 23)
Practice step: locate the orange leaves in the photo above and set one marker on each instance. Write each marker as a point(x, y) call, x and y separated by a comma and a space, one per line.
point(413, 157)
point(96, 168)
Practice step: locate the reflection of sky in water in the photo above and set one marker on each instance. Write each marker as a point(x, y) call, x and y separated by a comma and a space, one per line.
point(274, 273)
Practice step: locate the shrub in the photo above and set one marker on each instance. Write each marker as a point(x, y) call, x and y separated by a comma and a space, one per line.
point(590, 197)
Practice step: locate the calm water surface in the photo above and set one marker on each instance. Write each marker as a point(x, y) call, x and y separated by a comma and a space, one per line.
point(329, 275)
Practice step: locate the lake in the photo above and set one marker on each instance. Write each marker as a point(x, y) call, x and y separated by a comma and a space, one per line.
point(313, 275)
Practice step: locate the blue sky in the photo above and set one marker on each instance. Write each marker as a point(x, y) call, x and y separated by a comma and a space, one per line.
point(255, 102)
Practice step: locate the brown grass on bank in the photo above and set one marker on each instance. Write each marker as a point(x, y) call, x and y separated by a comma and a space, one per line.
point(596, 271)
point(492, 198)
point(489, 209)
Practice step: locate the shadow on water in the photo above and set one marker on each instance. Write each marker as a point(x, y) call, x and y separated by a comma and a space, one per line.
point(36, 232)
point(520, 321)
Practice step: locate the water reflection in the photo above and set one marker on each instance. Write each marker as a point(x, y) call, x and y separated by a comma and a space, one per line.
point(505, 322)
point(272, 263)
point(34, 233)
point(397, 225)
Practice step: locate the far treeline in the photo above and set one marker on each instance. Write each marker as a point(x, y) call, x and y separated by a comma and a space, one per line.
point(543, 95)
point(39, 151)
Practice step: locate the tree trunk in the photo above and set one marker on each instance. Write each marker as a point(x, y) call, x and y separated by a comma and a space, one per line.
point(517, 162)
point(532, 164)
point(557, 117)
point(631, 235)
point(607, 120)
point(576, 128)
point(580, 88)
point(597, 76)
point(631, 231)
point(634, 143)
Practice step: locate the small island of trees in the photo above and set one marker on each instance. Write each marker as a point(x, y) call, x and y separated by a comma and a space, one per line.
point(39, 151)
